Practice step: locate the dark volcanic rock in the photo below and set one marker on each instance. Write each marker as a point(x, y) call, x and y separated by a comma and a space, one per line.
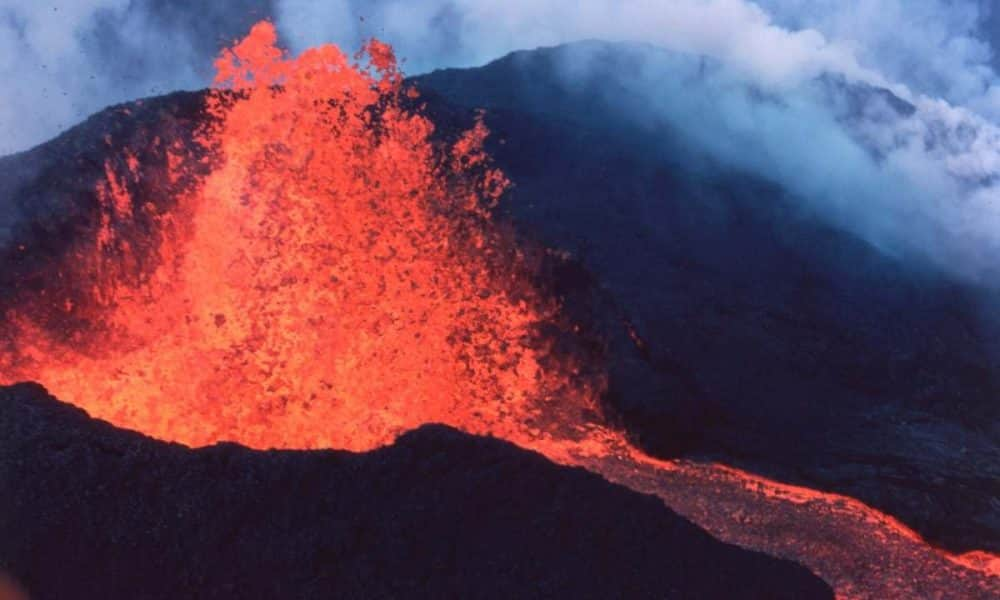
point(48, 199)
point(769, 339)
point(91, 511)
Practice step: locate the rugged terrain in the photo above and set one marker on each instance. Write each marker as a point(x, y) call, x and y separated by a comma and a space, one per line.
point(92, 511)
point(768, 338)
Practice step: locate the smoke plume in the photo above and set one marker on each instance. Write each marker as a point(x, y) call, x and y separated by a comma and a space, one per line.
point(914, 170)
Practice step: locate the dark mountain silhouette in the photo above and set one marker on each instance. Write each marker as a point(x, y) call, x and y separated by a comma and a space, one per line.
point(91, 511)
point(740, 326)
point(770, 339)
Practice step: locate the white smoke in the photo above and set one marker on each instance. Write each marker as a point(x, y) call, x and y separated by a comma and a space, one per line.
point(926, 180)
point(62, 60)
point(929, 176)
point(435, 33)
point(937, 47)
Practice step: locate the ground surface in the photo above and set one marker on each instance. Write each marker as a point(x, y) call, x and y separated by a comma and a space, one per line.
point(91, 511)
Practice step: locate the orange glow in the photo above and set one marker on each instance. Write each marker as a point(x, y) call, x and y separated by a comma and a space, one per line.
point(10, 590)
point(336, 277)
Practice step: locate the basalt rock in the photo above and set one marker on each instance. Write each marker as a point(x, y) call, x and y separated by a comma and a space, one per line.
point(91, 511)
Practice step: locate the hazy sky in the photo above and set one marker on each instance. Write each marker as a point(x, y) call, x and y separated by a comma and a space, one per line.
point(62, 60)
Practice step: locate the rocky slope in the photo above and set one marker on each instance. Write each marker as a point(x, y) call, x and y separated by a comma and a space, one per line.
point(766, 337)
point(91, 511)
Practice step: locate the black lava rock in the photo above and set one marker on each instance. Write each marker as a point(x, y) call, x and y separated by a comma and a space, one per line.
point(91, 511)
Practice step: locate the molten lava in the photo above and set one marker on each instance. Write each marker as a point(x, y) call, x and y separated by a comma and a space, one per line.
point(328, 273)
point(335, 279)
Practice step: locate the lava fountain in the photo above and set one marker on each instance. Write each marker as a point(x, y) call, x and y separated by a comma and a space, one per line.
point(334, 279)
point(327, 273)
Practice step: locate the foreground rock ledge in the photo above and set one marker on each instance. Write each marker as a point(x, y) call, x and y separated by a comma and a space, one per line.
point(92, 511)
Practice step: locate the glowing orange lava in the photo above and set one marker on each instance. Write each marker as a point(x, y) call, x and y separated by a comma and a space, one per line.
point(334, 280)
point(334, 276)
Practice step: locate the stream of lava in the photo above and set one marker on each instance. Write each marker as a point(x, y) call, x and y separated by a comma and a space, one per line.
point(335, 277)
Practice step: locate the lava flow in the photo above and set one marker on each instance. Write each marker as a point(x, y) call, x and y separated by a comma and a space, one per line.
point(335, 276)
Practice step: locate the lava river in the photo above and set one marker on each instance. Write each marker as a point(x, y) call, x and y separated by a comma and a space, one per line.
point(333, 274)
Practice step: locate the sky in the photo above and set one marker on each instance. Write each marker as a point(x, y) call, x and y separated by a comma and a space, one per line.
point(927, 180)
point(65, 59)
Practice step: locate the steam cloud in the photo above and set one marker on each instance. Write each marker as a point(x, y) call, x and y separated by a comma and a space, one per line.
point(919, 178)
point(62, 60)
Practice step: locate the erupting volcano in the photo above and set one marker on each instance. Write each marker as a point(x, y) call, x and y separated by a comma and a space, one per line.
point(318, 267)
point(333, 280)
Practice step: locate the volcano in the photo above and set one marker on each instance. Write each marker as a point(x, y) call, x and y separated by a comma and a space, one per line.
point(319, 254)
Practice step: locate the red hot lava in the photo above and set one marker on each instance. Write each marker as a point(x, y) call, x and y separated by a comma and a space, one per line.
point(334, 277)
point(334, 280)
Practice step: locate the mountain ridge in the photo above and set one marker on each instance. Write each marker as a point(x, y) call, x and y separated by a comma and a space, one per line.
point(96, 511)
point(770, 339)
